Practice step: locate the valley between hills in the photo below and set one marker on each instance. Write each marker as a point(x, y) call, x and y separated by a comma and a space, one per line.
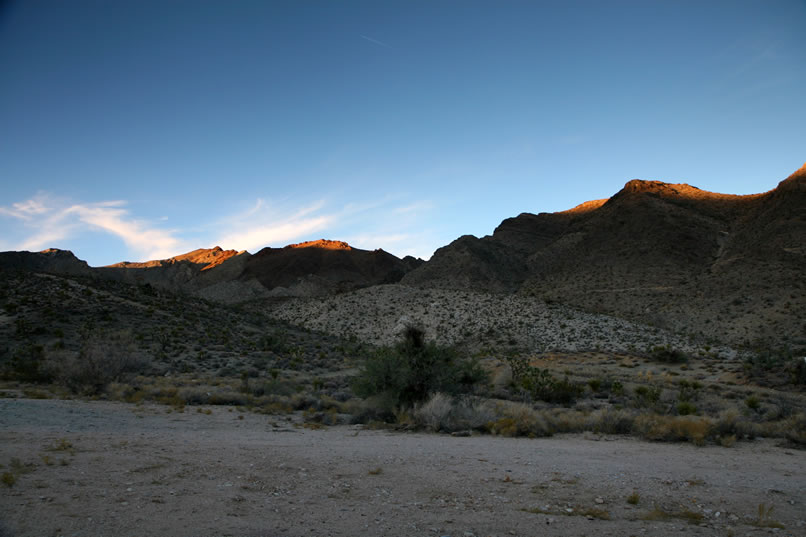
point(321, 389)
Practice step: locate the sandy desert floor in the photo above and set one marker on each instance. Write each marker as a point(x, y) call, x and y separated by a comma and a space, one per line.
point(111, 469)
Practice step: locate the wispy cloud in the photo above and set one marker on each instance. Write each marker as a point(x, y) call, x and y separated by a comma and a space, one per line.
point(50, 221)
point(414, 208)
point(379, 43)
point(392, 223)
point(139, 236)
point(26, 210)
point(266, 225)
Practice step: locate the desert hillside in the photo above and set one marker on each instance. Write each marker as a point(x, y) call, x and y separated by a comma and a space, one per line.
point(671, 255)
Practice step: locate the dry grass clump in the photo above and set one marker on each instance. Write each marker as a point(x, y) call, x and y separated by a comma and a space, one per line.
point(435, 413)
point(764, 519)
point(442, 412)
point(563, 420)
point(519, 419)
point(673, 428)
point(611, 421)
point(795, 430)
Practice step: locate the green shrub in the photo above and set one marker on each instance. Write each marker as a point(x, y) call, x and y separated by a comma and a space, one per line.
point(28, 364)
point(647, 396)
point(688, 390)
point(540, 385)
point(8, 479)
point(409, 372)
point(665, 354)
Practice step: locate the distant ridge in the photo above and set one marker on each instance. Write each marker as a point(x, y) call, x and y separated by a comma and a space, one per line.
point(209, 258)
point(322, 243)
point(309, 268)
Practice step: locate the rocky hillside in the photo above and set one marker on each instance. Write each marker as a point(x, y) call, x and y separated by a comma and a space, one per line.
point(669, 254)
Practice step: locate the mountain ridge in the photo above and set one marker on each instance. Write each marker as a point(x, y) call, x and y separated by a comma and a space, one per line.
point(671, 254)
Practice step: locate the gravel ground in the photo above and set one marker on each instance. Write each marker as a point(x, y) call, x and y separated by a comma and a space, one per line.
point(99, 468)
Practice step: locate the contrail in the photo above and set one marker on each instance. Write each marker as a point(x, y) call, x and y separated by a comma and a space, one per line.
point(381, 43)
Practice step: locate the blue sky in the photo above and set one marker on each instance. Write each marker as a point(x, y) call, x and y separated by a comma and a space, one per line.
point(142, 129)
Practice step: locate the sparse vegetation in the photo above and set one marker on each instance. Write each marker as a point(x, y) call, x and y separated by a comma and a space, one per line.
point(665, 354)
point(658, 513)
point(8, 479)
point(764, 519)
point(181, 351)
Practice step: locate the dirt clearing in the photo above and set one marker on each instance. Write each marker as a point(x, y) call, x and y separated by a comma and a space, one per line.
point(77, 468)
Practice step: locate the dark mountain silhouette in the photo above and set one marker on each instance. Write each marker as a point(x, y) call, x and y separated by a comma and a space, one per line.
point(305, 269)
point(323, 267)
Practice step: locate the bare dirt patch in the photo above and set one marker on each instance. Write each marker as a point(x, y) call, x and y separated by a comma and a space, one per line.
point(101, 468)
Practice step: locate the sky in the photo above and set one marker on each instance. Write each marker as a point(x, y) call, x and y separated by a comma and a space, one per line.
point(142, 129)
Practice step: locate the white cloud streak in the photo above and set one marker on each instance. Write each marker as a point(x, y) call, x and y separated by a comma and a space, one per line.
point(52, 221)
point(49, 222)
point(379, 43)
point(264, 225)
